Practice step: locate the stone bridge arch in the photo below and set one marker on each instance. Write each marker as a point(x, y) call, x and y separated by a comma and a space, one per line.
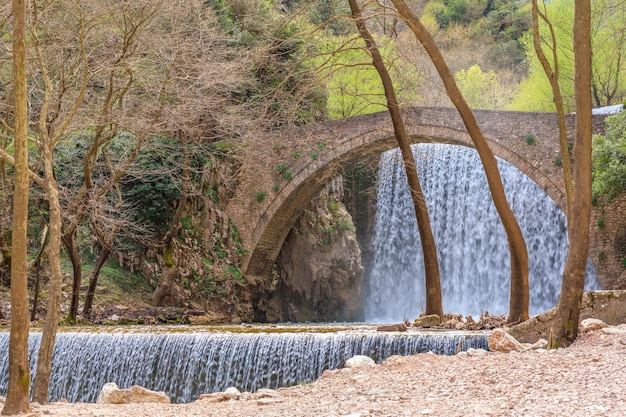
point(300, 161)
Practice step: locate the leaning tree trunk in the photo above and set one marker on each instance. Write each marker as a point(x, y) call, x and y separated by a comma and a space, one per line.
point(93, 281)
point(48, 337)
point(429, 249)
point(37, 262)
point(517, 246)
point(18, 387)
point(564, 329)
point(70, 245)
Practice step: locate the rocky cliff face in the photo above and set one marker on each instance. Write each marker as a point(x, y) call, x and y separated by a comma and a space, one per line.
point(319, 273)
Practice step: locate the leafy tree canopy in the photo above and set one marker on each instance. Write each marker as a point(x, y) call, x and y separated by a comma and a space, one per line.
point(352, 83)
point(480, 89)
point(609, 50)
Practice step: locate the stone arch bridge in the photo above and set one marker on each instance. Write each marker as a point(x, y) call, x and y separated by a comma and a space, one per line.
point(284, 170)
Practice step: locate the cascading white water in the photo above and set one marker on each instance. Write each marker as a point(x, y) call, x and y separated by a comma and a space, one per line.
point(185, 365)
point(471, 243)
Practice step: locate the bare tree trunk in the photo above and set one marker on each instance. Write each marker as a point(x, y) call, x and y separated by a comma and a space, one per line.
point(93, 281)
point(517, 246)
point(38, 260)
point(48, 337)
point(18, 388)
point(70, 245)
point(431, 265)
point(168, 275)
point(565, 328)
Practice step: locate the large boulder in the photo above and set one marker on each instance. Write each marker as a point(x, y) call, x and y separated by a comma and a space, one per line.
point(501, 341)
point(112, 394)
point(590, 324)
point(427, 321)
point(107, 389)
point(360, 361)
point(231, 393)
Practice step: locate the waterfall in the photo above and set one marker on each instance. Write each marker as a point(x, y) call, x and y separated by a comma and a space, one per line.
point(185, 365)
point(471, 242)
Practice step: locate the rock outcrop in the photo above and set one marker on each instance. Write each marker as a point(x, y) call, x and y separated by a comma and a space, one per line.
point(319, 275)
point(608, 306)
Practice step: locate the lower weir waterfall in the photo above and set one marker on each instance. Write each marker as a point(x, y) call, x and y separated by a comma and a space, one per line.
point(471, 243)
point(185, 364)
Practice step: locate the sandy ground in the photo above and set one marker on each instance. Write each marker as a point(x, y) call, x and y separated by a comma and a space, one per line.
point(586, 379)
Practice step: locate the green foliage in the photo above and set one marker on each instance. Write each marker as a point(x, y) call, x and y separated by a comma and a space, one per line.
point(346, 225)
point(609, 52)
point(506, 22)
point(352, 83)
point(275, 188)
point(234, 18)
point(534, 93)
point(281, 168)
point(288, 176)
point(323, 13)
point(480, 89)
point(451, 12)
point(126, 282)
point(530, 139)
point(327, 236)
point(152, 187)
point(186, 222)
point(600, 223)
point(213, 193)
point(168, 256)
point(333, 206)
point(558, 161)
point(602, 255)
point(236, 274)
point(260, 196)
point(609, 158)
